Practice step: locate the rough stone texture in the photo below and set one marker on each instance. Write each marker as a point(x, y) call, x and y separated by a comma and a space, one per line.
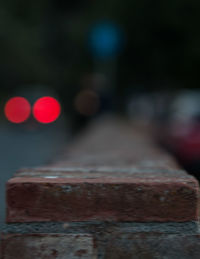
point(41, 246)
point(113, 173)
point(153, 246)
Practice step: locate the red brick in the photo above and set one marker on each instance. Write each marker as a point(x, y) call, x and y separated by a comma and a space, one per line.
point(43, 246)
point(127, 198)
point(152, 245)
point(113, 173)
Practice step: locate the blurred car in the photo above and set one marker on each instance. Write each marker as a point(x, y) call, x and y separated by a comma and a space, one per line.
point(180, 133)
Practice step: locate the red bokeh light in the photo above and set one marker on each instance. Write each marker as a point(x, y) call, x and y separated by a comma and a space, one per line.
point(17, 109)
point(46, 109)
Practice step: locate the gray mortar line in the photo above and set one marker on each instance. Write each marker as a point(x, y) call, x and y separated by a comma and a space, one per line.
point(185, 228)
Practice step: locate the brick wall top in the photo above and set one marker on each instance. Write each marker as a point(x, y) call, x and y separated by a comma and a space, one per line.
point(113, 172)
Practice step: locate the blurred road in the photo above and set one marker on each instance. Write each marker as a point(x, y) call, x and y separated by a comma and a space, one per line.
point(27, 146)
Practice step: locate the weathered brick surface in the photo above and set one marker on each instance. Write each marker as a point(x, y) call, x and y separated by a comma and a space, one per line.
point(113, 173)
point(114, 184)
point(152, 246)
point(119, 240)
point(113, 199)
point(51, 246)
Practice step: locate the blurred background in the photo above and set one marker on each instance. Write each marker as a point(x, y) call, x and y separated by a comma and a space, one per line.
point(139, 59)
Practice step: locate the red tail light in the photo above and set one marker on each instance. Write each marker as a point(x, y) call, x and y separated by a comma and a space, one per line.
point(17, 110)
point(46, 109)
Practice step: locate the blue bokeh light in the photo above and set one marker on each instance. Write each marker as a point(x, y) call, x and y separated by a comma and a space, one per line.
point(106, 40)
